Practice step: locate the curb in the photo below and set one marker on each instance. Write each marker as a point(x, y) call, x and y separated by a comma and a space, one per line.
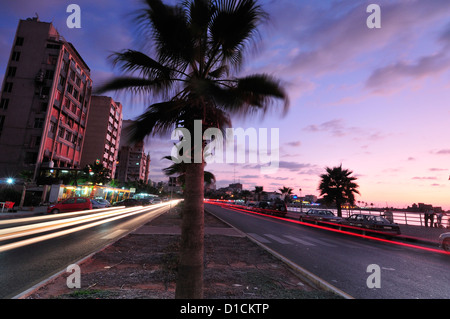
point(300, 270)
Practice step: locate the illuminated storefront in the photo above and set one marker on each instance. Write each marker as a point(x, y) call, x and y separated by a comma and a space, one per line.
point(60, 192)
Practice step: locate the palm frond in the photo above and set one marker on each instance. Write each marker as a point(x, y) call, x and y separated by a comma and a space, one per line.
point(134, 85)
point(234, 26)
point(160, 118)
point(170, 33)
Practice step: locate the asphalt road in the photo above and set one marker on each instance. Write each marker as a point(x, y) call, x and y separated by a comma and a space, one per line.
point(344, 261)
point(31, 254)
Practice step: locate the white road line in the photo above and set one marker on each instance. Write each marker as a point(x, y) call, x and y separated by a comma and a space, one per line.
point(259, 238)
point(277, 239)
point(298, 240)
point(314, 240)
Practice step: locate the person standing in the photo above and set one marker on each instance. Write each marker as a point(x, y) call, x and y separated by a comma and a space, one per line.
point(426, 217)
point(431, 217)
point(439, 220)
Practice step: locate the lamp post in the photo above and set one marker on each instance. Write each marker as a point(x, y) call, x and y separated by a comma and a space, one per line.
point(301, 201)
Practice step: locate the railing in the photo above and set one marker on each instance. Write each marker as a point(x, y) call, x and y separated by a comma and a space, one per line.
point(400, 217)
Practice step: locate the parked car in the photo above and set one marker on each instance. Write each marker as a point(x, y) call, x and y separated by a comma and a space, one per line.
point(276, 207)
point(146, 201)
point(444, 241)
point(318, 216)
point(371, 223)
point(129, 202)
point(100, 203)
point(70, 205)
point(156, 200)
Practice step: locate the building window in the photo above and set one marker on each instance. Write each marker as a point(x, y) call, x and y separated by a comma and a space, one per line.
point(52, 127)
point(19, 41)
point(70, 88)
point(53, 46)
point(62, 80)
point(38, 123)
point(2, 121)
point(68, 136)
point(15, 56)
point(4, 104)
point(8, 87)
point(35, 141)
point(12, 71)
point(52, 59)
point(49, 74)
point(58, 96)
point(61, 132)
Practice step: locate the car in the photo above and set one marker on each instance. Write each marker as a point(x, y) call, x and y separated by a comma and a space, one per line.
point(444, 241)
point(156, 201)
point(129, 202)
point(276, 208)
point(146, 201)
point(370, 223)
point(100, 203)
point(319, 216)
point(71, 204)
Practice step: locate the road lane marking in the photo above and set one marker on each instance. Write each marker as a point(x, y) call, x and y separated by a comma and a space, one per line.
point(259, 238)
point(298, 240)
point(314, 240)
point(277, 239)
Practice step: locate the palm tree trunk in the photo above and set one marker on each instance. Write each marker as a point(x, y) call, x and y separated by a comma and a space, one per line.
point(190, 267)
point(339, 208)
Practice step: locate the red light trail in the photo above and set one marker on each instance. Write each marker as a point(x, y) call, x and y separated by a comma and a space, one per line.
point(242, 210)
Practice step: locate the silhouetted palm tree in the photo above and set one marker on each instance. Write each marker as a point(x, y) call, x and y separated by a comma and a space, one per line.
point(338, 187)
point(287, 192)
point(179, 169)
point(197, 47)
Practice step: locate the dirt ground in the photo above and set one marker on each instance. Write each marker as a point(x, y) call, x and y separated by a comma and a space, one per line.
point(144, 266)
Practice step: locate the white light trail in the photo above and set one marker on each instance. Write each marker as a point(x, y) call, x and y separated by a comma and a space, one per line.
point(94, 220)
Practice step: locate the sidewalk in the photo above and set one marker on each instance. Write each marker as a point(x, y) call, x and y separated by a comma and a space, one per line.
point(25, 212)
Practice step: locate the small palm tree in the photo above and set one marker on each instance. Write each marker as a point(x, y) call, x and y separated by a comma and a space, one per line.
point(198, 49)
point(179, 169)
point(286, 192)
point(258, 191)
point(338, 187)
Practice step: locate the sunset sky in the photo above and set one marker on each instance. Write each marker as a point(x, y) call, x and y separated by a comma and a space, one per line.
point(374, 100)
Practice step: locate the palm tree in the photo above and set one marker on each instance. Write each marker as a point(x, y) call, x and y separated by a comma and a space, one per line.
point(198, 48)
point(97, 174)
point(287, 192)
point(258, 191)
point(338, 187)
point(179, 169)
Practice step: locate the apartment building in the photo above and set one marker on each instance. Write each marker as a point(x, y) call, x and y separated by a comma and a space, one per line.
point(133, 162)
point(103, 133)
point(44, 103)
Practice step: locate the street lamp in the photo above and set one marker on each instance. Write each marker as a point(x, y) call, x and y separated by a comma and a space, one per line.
point(10, 181)
point(301, 201)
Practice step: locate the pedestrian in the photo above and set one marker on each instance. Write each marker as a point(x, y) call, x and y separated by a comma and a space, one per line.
point(426, 217)
point(439, 220)
point(431, 217)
